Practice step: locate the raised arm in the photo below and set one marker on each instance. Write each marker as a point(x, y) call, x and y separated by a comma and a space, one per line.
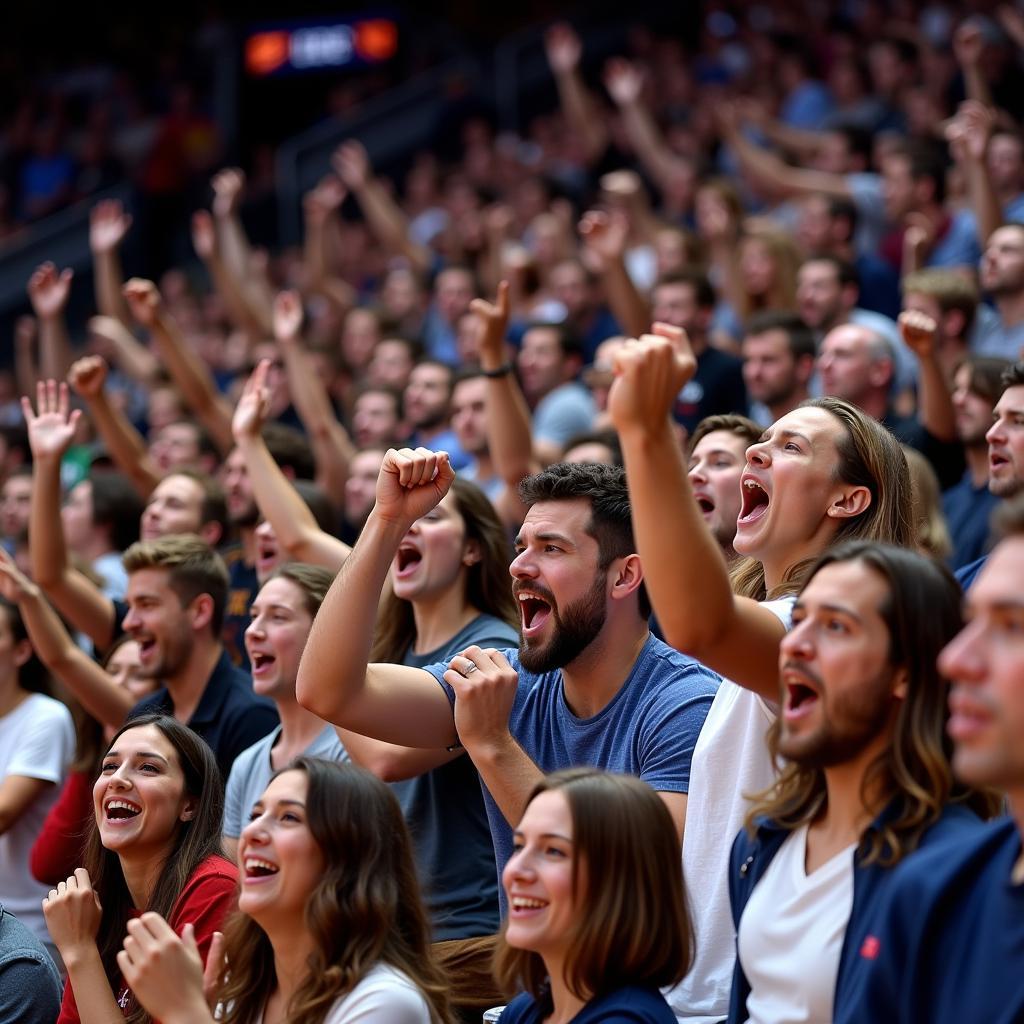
point(564, 52)
point(26, 372)
point(319, 208)
point(108, 225)
point(383, 214)
point(393, 703)
point(50, 433)
point(90, 684)
point(48, 292)
point(732, 635)
point(228, 188)
point(604, 235)
point(934, 402)
point(124, 349)
point(207, 247)
point(293, 523)
point(969, 50)
point(968, 135)
point(332, 447)
point(509, 434)
point(189, 372)
point(87, 378)
point(768, 170)
point(625, 83)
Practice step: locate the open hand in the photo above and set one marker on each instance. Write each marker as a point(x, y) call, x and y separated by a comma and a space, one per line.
point(563, 47)
point(352, 164)
point(49, 291)
point(253, 407)
point(52, 429)
point(108, 224)
point(287, 316)
point(623, 80)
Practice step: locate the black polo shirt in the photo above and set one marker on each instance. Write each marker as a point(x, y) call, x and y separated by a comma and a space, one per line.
point(230, 717)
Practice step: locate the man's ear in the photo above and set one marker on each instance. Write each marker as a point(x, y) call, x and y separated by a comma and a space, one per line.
point(850, 503)
point(201, 611)
point(212, 532)
point(22, 652)
point(627, 575)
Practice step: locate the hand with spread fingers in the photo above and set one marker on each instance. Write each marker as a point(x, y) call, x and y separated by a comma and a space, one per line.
point(485, 689)
point(164, 972)
point(411, 482)
point(52, 426)
point(649, 374)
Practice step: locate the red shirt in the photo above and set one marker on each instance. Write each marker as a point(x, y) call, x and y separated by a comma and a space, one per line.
point(58, 847)
point(210, 893)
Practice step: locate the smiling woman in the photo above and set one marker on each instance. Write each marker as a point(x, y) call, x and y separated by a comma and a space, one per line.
point(155, 846)
point(331, 928)
point(597, 917)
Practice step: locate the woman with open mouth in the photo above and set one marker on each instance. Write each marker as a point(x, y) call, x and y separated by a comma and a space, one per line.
point(597, 920)
point(330, 927)
point(155, 846)
point(822, 474)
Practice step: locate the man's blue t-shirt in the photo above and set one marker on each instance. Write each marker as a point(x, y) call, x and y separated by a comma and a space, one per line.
point(648, 729)
point(635, 1004)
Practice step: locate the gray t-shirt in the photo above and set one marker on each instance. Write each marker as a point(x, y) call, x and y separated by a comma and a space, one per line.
point(30, 988)
point(252, 771)
point(444, 809)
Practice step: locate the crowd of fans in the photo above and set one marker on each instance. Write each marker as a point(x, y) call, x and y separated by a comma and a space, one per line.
point(723, 364)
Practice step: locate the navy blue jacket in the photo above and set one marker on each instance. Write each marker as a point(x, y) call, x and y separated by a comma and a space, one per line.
point(947, 945)
point(751, 857)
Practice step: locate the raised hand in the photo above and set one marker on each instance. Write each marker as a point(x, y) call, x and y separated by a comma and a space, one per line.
point(25, 330)
point(352, 164)
point(968, 44)
point(108, 224)
point(87, 376)
point(143, 300)
point(649, 374)
point(287, 316)
point(228, 186)
point(605, 235)
point(253, 407)
point(164, 972)
point(563, 47)
point(14, 584)
point(623, 80)
point(411, 482)
point(73, 911)
point(52, 429)
point(204, 235)
point(494, 317)
point(48, 291)
point(918, 331)
point(320, 202)
point(918, 235)
point(977, 120)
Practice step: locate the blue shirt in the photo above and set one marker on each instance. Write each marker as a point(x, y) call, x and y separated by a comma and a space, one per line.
point(967, 510)
point(636, 1004)
point(229, 716)
point(649, 728)
point(444, 809)
point(30, 987)
point(947, 945)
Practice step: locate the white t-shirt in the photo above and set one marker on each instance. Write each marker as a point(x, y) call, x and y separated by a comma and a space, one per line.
point(791, 935)
point(37, 740)
point(730, 762)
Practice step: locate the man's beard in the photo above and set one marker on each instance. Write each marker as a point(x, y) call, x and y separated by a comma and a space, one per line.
point(856, 721)
point(245, 517)
point(572, 631)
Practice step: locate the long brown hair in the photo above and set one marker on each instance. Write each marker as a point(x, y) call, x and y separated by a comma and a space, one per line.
point(488, 587)
point(367, 908)
point(922, 613)
point(193, 842)
point(868, 456)
point(632, 927)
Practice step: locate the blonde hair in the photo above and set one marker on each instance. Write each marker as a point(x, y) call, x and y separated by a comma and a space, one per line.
point(930, 528)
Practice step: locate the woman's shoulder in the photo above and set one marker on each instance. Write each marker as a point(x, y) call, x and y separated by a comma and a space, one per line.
point(213, 878)
point(523, 1009)
point(634, 1003)
point(385, 995)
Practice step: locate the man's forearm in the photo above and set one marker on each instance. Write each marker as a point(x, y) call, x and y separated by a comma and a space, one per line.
point(509, 775)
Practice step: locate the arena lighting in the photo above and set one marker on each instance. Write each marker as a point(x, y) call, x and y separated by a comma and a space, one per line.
point(295, 47)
